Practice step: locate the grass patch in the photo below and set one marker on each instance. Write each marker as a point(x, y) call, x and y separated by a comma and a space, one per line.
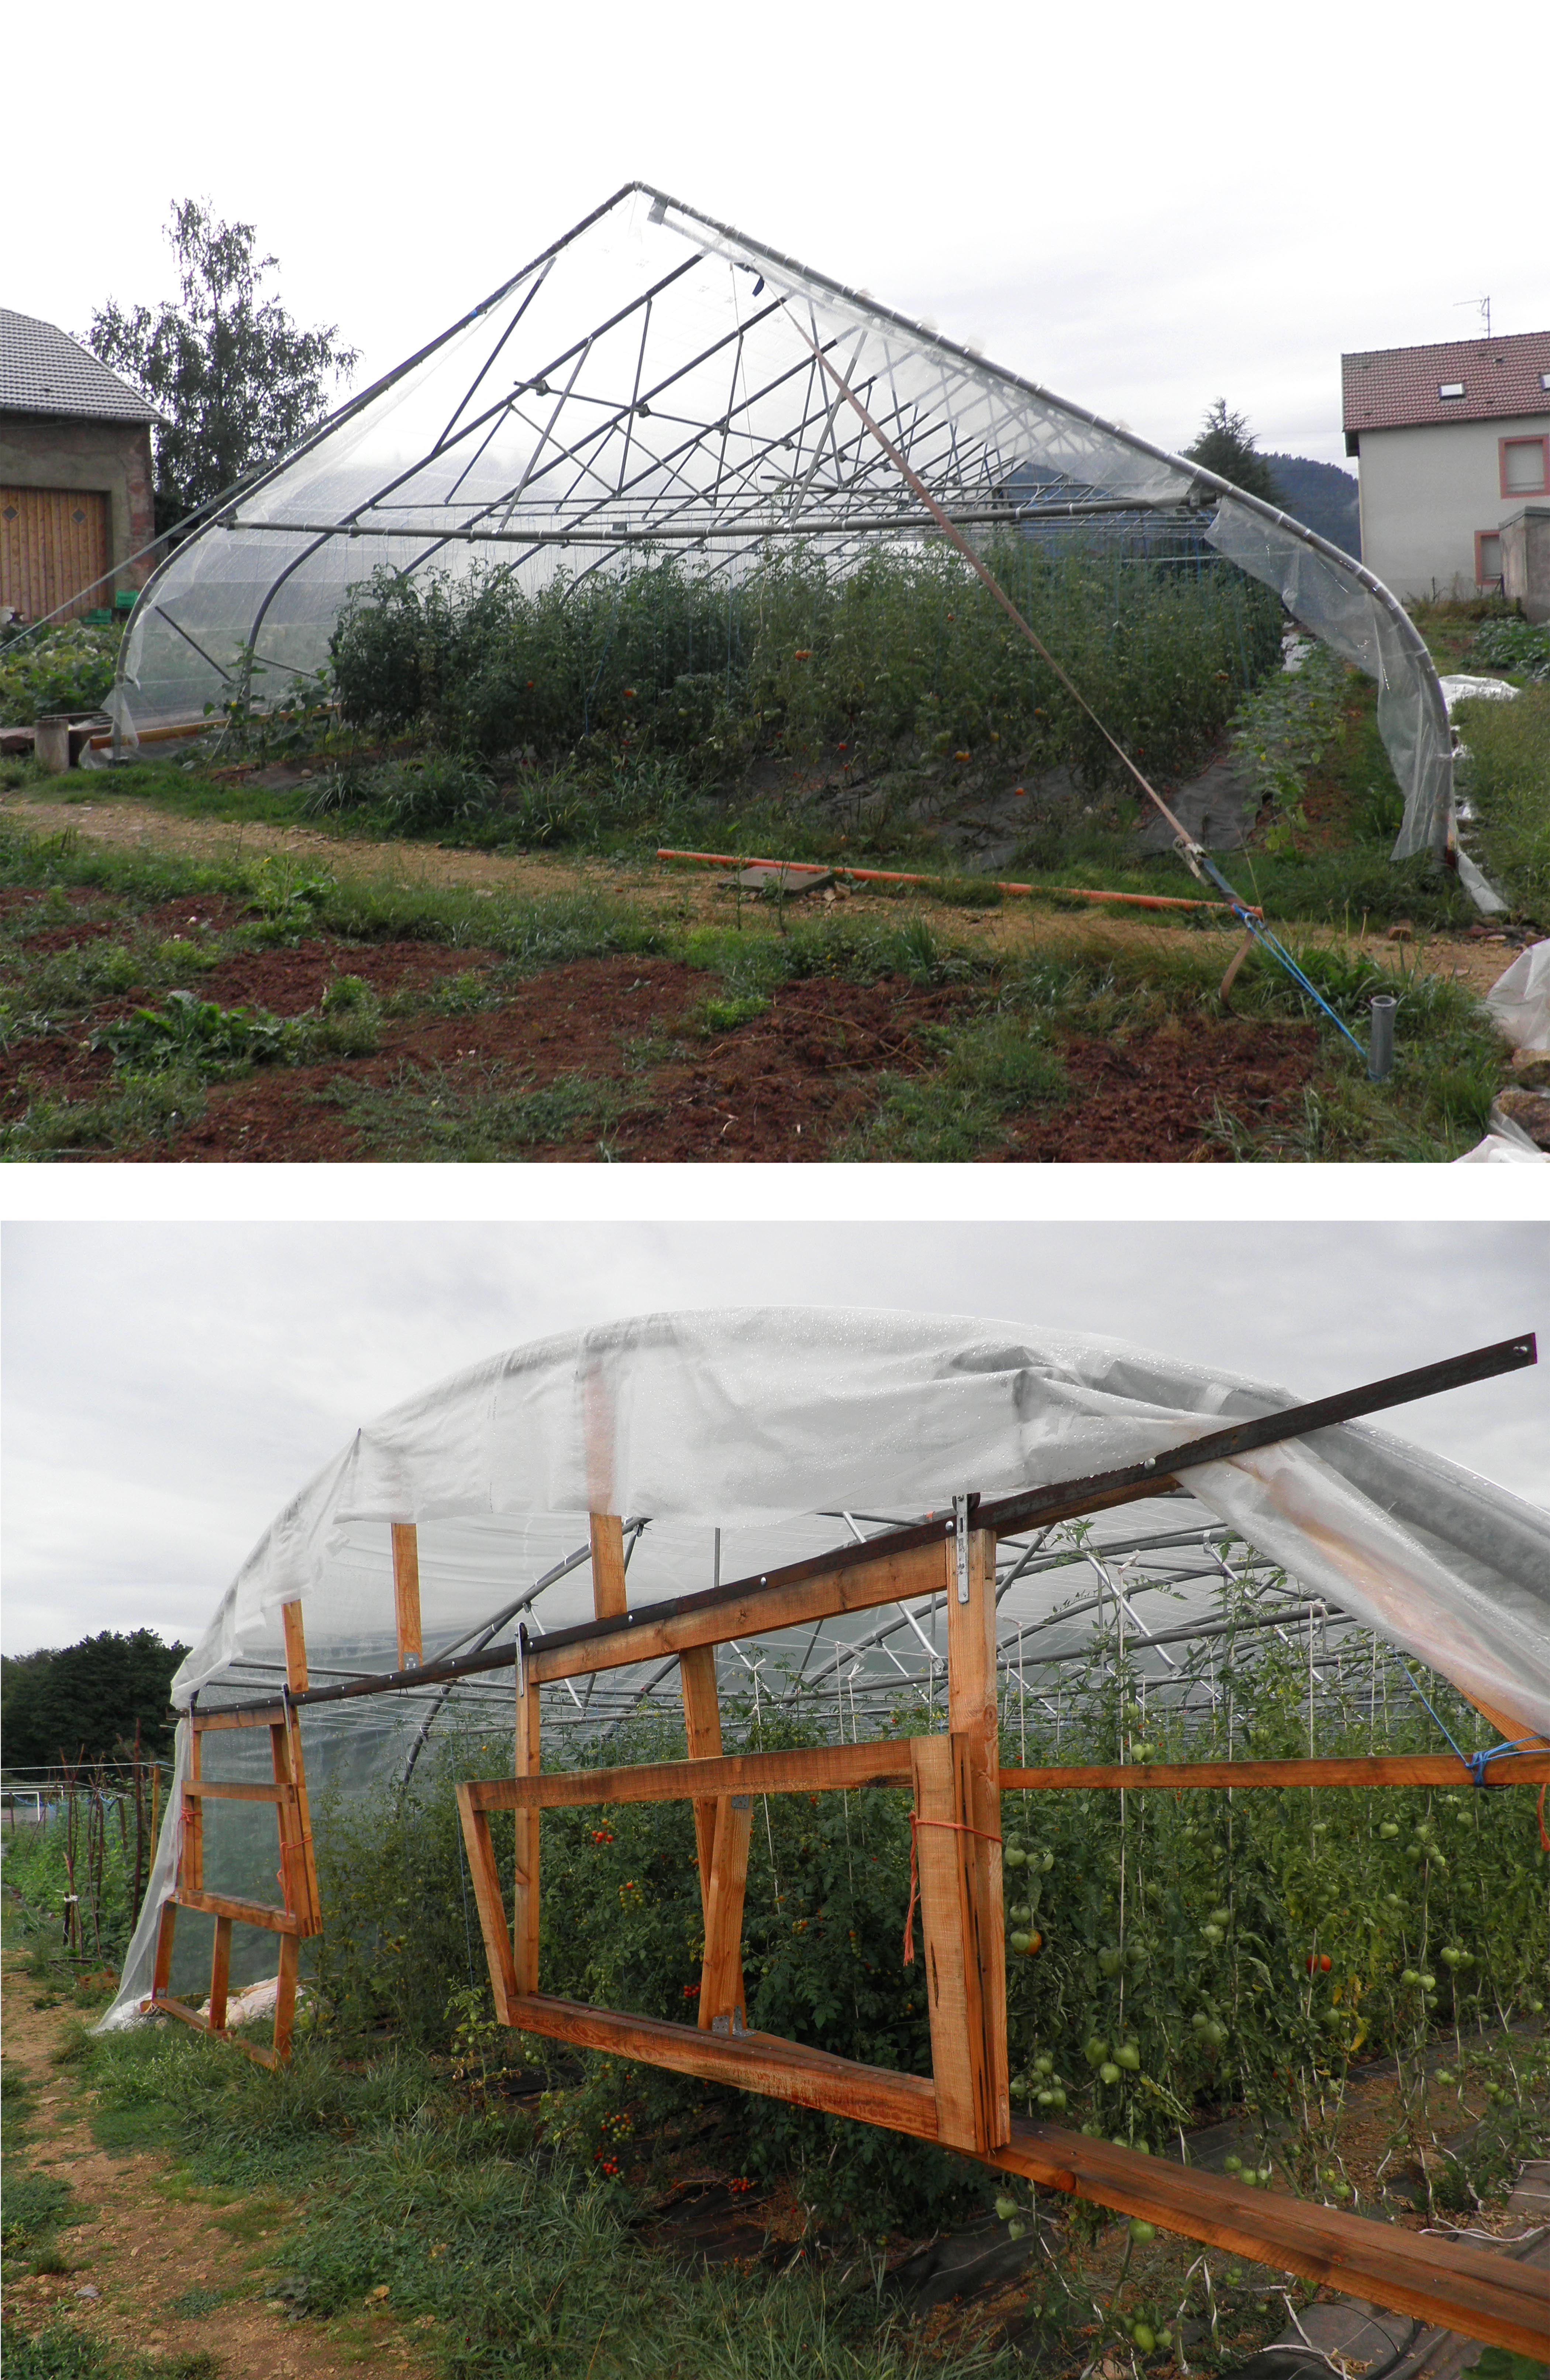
point(992, 1070)
point(1507, 779)
point(425, 1113)
point(60, 2351)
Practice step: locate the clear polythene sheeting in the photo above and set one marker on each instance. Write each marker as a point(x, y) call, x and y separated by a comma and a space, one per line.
point(653, 382)
point(761, 1421)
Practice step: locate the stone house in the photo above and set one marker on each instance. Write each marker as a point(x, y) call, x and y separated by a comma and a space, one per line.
point(1453, 442)
point(76, 484)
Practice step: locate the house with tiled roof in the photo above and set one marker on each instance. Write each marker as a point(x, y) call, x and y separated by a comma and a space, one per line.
point(1454, 447)
point(76, 488)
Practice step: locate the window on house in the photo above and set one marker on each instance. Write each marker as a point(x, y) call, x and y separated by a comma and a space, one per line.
point(1487, 559)
point(1450, 388)
point(1525, 467)
point(1544, 380)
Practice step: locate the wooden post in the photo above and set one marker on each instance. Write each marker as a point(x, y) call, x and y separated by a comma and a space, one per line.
point(284, 1996)
point(721, 1848)
point(299, 1873)
point(721, 1981)
point(962, 1786)
point(190, 1865)
point(161, 1973)
point(525, 1895)
point(405, 1592)
point(220, 1974)
point(608, 1565)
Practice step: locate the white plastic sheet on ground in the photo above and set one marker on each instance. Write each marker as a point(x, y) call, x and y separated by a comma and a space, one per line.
point(1519, 1000)
point(759, 1423)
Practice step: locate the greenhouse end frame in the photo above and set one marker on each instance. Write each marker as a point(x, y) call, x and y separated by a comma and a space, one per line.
point(956, 1782)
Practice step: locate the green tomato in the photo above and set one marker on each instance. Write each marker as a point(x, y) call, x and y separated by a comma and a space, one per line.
point(1046, 2098)
point(1200, 2020)
point(1146, 2337)
point(1128, 2056)
point(1043, 2063)
point(1165, 2338)
point(1216, 2035)
point(1220, 1916)
point(1057, 2099)
point(1388, 1830)
point(1232, 2165)
point(1017, 1942)
point(1097, 2050)
point(1410, 1978)
point(1005, 2209)
point(1015, 1858)
point(1109, 2071)
point(1444, 2076)
point(1109, 1961)
point(1015, 2230)
point(1141, 2232)
point(1428, 1983)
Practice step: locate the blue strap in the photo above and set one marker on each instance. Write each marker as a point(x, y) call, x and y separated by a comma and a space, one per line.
point(1475, 1762)
point(1261, 932)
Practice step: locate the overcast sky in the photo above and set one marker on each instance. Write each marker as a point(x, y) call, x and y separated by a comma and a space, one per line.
point(168, 1386)
point(1144, 208)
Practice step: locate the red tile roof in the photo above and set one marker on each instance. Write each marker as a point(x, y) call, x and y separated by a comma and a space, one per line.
point(1395, 388)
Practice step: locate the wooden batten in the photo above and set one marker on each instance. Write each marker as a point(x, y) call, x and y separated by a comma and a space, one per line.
point(722, 1869)
point(972, 1722)
point(525, 1881)
point(485, 1882)
point(220, 1974)
point(294, 1633)
point(609, 1599)
point(891, 1578)
point(406, 1594)
point(817, 1768)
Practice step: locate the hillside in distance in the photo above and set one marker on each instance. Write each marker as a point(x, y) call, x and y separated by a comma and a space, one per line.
point(1322, 497)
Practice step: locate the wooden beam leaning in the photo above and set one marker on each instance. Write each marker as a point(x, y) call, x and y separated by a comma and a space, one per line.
point(1459, 2287)
point(406, 1594)
point(899, 1576)
point(818, 1769)
point(487, 1899)
point(752, 2062)
point(1183, 1775)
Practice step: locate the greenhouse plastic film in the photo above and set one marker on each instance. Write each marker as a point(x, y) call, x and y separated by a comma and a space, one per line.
point(651, 382)
point(765, 1424)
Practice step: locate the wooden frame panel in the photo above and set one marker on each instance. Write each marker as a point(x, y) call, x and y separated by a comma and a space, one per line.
point(299, 1913)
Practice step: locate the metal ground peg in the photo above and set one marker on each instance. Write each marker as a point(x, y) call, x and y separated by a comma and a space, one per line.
point(1380, 1038)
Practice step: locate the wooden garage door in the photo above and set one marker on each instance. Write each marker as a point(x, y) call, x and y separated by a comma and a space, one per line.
point(54, 543)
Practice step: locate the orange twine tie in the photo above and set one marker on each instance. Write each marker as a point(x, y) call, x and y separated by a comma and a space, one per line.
point(957, 1827)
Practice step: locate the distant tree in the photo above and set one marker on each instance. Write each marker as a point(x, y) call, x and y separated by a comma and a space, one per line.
point(238, 383)
point(87, 1699)
point(1226, 445)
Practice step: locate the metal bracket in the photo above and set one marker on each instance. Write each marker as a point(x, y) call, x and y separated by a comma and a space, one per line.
point(960, 1534)
point(731, 2024)
point(521, 1659)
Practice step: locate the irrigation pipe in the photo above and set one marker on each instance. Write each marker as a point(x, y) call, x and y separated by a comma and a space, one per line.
point(1195, 858)
point(896, 876)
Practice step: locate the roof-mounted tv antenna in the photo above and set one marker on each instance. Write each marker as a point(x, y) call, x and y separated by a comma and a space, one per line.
point(1482, 307)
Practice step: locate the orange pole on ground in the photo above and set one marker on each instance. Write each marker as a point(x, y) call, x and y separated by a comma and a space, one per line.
point(896, 876)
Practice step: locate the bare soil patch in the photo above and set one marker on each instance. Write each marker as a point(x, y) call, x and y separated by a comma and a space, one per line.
point(1151, 1098)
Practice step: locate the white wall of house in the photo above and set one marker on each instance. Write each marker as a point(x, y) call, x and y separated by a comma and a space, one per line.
point(1427, 492)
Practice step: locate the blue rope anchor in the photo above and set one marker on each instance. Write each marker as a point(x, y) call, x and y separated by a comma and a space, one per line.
point(1262, 933)
point(1475, 1762)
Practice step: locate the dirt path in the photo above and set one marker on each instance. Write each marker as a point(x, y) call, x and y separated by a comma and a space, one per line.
point(148, 2237)
point(124, 822)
